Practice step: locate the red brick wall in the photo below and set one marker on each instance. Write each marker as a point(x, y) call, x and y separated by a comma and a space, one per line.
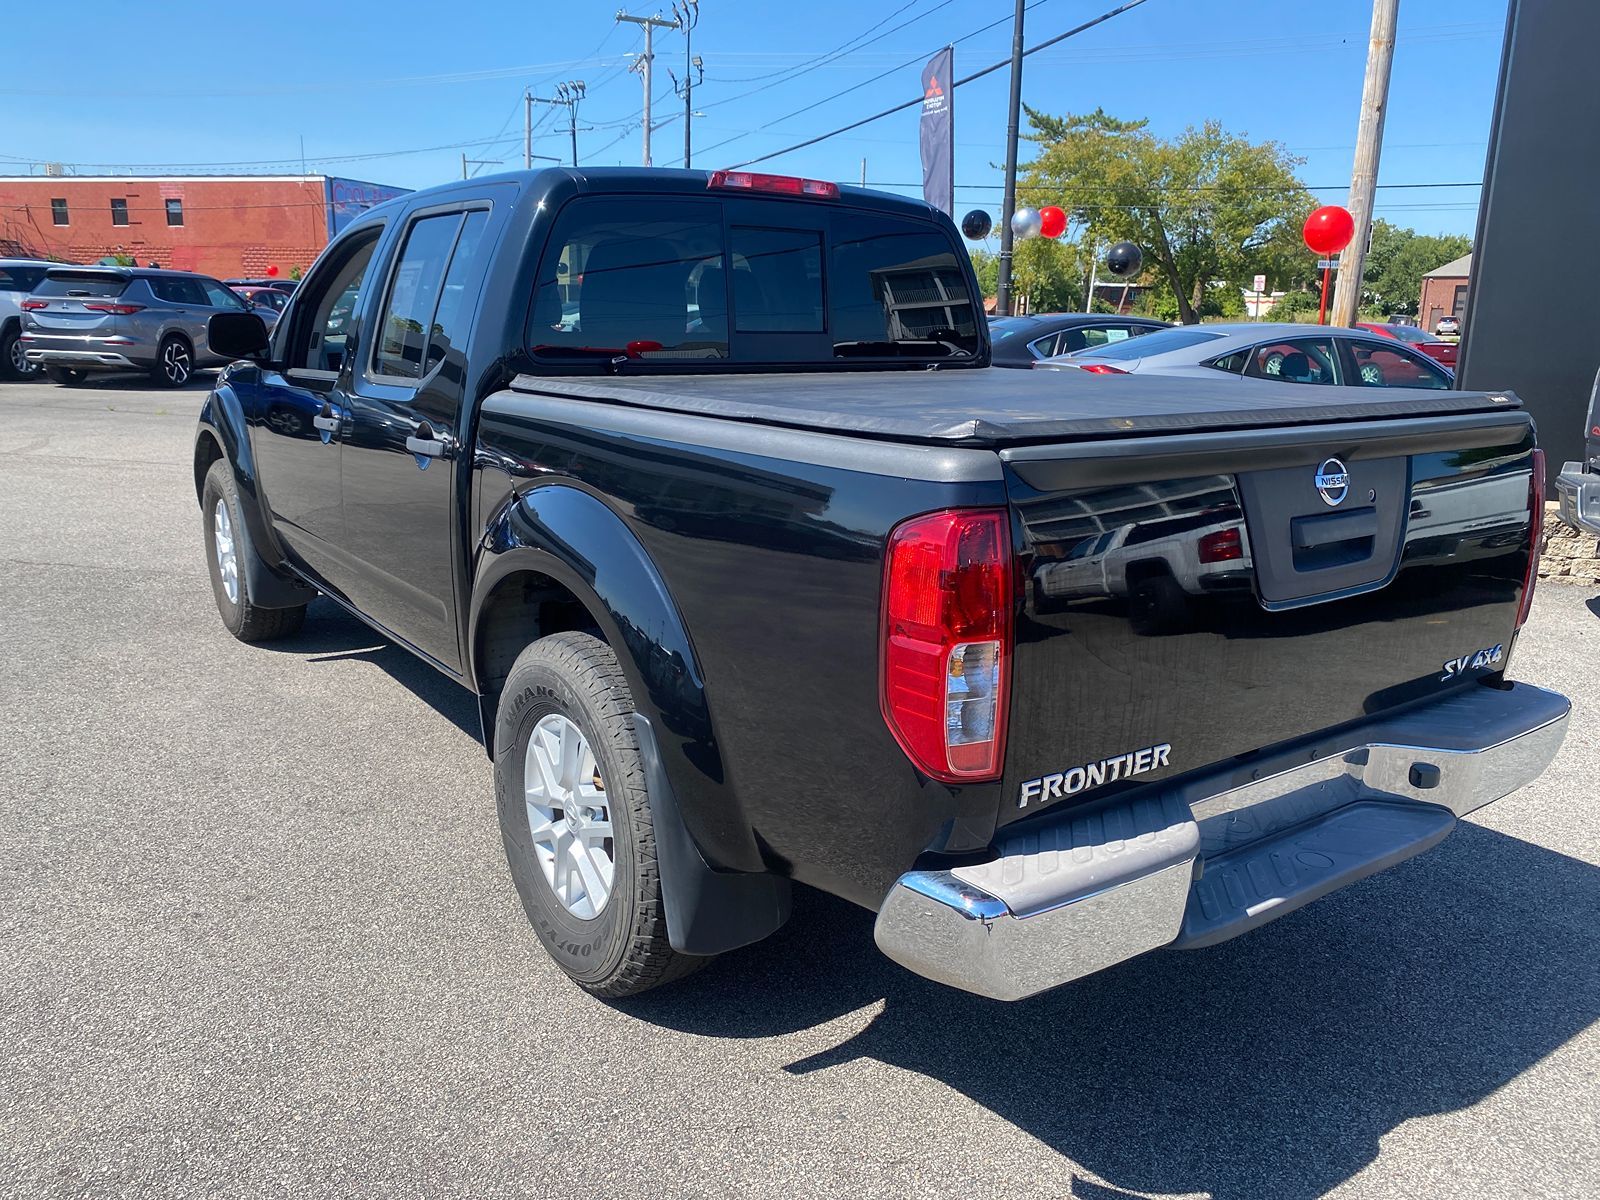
point(230, 226)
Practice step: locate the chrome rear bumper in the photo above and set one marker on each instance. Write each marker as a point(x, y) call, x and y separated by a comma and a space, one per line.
point(1579, 494)
point(1193, 863)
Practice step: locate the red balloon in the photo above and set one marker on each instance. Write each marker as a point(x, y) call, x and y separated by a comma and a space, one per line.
point(272, 270)
point(1052, 221)
point(1329, 229)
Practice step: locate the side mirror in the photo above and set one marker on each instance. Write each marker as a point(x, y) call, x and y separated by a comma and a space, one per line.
point(237, 335)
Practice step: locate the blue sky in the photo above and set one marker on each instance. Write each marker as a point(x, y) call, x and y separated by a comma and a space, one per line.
point(244, 83)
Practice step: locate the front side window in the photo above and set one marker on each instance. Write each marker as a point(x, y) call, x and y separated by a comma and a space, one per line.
point(400, 348)
point(325, 315)
point(1303, 360)
point(1377, 365)
point(119, 212)
point(220, 297)
point(58, 212)
point(174, 212)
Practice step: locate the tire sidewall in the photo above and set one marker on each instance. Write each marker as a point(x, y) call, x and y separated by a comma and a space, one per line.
point(219, 486)
point(588, 950)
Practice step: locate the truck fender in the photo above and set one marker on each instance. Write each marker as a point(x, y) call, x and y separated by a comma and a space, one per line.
point(708, 855)
point(222, 434)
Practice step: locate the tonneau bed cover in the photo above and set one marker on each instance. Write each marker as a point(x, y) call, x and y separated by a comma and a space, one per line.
point(991, 406)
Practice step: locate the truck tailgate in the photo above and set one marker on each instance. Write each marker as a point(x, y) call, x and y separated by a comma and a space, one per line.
point(1190, 600)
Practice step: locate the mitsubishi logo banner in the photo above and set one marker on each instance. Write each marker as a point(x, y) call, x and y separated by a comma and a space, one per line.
point(938, 133)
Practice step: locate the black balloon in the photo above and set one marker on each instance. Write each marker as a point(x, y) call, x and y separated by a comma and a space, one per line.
point(1124, 259)
point(976, 224)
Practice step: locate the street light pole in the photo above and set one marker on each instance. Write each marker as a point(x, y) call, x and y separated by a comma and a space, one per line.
point(1369, 145)
point(1002, 297)
point(527, 131)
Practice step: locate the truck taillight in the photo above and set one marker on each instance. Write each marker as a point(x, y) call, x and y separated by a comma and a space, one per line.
point(1225, 545)
point(1535, 536)
point(946, 667)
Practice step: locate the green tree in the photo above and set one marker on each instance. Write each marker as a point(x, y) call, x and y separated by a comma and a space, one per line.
point(1205, 207)
point(1398, 259)
point(1049, 273)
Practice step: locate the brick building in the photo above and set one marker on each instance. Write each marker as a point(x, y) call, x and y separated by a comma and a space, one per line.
point(1444, 293)
point(222, 225)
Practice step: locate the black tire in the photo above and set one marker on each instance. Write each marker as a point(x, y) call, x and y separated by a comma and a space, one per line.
point(1157, 606)
point(12, 364)
point(174, 362)
point(66, 376)
point(243, 619)
point(623, 949)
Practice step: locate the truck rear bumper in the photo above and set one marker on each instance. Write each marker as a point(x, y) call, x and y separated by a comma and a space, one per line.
point(1579, 494)
point(1196, 862)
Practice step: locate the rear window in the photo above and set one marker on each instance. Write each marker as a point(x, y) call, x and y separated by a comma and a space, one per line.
point(660, 281)
point(81, 283)
point(1159, 342)
point(20, 279)
point(1405, 333)
point(1008, 327)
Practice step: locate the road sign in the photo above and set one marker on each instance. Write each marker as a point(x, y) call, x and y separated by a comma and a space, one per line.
point(1261, 283)
point(1327, 264)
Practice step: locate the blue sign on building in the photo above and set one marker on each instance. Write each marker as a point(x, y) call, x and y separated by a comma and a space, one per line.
point(349, 198)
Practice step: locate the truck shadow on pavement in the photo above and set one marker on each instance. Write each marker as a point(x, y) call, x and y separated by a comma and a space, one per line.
point(1269, 1066)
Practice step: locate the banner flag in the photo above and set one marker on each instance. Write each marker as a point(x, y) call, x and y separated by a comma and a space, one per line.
point(938, 133)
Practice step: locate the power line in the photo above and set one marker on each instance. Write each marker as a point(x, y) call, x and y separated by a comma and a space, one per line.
point(1005, 62)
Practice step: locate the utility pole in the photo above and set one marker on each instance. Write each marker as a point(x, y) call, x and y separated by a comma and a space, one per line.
point(1002, 296)
point(476, 162)
point(1369, 145)
point(567, 96)
point(527, 131)
point(643, 63)
point(687, 13)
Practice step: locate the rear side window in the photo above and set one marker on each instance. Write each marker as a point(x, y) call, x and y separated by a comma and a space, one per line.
point(176, 290)
point(20, 279)
point(85, 283)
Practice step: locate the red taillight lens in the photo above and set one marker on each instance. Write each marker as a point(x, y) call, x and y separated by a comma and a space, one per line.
point(1102, 369)
point(35, 305)
point(1223, 546)
point(1535, 536)
point(787, 185)
point(121, 310)
point(947, 641)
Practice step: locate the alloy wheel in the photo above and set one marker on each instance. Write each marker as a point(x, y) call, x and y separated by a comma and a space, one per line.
point(227, 554)
point(175, 362)
point(569, 816)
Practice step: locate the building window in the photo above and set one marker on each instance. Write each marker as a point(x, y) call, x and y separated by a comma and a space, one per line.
point(174, 212)
point(58, 212)
point(119, 212)
point(1459, 307)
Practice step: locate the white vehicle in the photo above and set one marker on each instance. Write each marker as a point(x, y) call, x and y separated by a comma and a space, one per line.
point(18, 277)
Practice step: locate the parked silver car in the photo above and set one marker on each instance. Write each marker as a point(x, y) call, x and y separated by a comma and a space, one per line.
point(18, 277)
point(83, 319)
point(1306, 354)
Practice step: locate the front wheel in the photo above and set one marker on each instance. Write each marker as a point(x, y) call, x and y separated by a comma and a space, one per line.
point(14, 362)
point(226, 549)
point(575, 818)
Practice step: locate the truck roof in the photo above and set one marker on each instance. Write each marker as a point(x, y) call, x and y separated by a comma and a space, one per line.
point(993, 407)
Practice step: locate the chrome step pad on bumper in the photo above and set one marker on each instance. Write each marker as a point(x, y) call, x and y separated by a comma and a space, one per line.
point(1194, 863)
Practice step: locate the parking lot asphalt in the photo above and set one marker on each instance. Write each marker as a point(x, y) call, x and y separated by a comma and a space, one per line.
point(257, 939)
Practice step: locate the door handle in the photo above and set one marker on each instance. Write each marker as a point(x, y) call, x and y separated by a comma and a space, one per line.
point(326, 420)
point(425, 443)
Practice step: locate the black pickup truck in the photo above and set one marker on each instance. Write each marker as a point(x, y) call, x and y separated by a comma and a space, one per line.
point(705, 487)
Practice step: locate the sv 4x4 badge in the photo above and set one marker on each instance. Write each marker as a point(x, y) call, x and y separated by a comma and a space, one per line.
point(1489, 656)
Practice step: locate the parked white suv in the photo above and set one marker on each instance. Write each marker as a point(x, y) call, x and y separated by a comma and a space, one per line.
point(18, 277)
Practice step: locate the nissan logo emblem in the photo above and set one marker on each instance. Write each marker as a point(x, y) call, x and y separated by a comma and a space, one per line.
point(1333, 482)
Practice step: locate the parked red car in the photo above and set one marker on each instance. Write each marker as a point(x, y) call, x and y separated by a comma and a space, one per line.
point(1439, 351)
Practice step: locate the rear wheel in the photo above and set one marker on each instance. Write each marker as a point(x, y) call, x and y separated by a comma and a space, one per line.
point(225, 558)
point(174, 362)
point(575, 818)
point(14, 362)
point(66, 376)
point(1157, 605)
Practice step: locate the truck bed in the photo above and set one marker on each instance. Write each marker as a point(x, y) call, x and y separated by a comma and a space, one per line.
point(1017, 406)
